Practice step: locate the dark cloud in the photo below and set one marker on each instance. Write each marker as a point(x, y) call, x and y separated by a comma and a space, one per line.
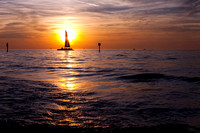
point(148, 7)
point(4, 13)
point(152, 15)
point(21, 30)
point(193, 2)
point(15, 24)
point(192, 7)
point(107, 9)
point(183, 28)
point(164, 11)
point(163, 15)
point(188, 20)
point(21, 19)
point(14, 35)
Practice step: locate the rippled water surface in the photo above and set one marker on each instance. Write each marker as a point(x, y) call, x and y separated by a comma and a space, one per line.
point(84, 88)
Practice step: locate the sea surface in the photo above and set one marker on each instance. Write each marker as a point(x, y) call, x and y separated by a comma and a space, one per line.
point(114, 88)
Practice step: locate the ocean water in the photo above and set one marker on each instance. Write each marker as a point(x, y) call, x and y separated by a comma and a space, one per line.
point(114, 88)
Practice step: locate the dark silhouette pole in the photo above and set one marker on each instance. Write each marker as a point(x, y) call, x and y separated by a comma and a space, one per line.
point(7, 46)
point(99, 44)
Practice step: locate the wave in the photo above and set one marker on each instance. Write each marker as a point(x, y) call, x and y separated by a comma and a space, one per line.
point(171, 58)
point(13, 126)
point(35, 105)
point(159, 112)
point(149, 77)
point(120, 55)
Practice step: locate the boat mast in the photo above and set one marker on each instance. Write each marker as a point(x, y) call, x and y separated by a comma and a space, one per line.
point(66, 40)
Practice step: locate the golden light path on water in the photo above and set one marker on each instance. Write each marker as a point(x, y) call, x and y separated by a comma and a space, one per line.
point(66, 87)
point(74, 91)
point(70, 88)
point(68, 82)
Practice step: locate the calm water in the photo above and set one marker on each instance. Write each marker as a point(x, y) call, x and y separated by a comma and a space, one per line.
point(114, 88)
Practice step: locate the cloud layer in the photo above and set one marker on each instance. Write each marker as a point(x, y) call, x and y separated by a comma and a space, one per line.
point(32, 18)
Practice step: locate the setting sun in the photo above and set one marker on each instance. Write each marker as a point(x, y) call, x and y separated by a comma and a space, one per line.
point(71, 34)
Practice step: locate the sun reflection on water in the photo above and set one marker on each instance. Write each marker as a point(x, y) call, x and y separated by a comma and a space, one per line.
point(67, 84)
point(71, 96)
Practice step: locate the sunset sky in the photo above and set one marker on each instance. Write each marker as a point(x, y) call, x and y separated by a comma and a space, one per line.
point(117, 24)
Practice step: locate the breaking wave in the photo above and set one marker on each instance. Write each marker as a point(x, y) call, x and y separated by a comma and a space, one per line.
point(149, 77)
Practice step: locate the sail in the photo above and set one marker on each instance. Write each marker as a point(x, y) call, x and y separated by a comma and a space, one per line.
point(66, 40)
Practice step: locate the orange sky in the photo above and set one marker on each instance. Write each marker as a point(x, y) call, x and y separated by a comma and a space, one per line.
point(117, 24)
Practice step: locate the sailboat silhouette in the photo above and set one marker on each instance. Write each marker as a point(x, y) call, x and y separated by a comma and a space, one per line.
point(67, 44)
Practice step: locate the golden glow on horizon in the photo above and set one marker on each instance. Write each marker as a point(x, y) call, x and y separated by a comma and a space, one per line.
point(71, 34)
